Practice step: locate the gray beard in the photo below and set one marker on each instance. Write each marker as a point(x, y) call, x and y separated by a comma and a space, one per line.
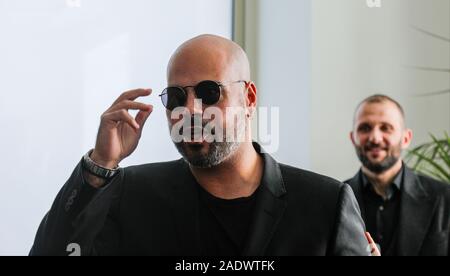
point(218, 153)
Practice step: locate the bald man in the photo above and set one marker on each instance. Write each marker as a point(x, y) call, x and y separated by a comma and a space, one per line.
point(225, 197)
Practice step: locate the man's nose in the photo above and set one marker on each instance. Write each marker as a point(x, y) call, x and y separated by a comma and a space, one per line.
point(193, 105)
point(376, 136)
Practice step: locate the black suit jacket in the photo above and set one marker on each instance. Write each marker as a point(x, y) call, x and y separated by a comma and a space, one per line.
point(424, 222)
point(154, 210)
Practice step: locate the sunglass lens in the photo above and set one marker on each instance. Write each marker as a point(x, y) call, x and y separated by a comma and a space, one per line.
point(173, 97)
point(208, 91)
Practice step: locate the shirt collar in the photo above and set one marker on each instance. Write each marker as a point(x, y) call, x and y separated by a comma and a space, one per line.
point(396, 183)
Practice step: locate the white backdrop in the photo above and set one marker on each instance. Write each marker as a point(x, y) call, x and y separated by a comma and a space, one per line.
point(62, 63)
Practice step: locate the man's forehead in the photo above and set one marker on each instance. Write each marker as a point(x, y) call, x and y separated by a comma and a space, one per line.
point(188, 77)
point(208, 56)
point(379, 112)
point(194, 66)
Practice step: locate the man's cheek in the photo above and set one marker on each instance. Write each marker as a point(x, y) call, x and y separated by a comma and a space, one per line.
point(359, 142)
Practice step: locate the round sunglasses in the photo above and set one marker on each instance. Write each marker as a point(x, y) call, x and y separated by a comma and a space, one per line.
point(208, 91)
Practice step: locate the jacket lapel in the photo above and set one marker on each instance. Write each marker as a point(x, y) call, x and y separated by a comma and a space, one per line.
point(269, 209)
point(186, 212)
point(416, 212)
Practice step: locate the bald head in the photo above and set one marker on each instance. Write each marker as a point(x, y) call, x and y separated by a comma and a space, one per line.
point(208, 57)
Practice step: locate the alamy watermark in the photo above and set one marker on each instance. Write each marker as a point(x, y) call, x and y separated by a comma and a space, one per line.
point(373, 3)
point(231, 125)
point(74, 249)
point(73, 3)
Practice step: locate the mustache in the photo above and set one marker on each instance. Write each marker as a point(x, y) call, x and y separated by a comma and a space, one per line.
point(196, 121)
point(371, 146)
point(198, 125)
point(197, 130)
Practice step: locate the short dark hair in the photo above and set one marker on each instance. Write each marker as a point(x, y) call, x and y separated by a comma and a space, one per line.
point(380, 98)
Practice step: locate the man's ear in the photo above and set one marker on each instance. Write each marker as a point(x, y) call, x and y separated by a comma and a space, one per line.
point(407, 138)
point(352, 138)
point(251, 95)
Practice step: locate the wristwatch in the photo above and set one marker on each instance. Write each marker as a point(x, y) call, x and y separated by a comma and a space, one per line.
point(96, 169)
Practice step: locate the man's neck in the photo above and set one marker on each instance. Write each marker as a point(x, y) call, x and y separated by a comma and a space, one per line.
point(381, 182)
point(237, 177)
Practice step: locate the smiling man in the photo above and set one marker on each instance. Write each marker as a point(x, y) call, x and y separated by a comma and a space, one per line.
point(223, 198)
point(407, 214)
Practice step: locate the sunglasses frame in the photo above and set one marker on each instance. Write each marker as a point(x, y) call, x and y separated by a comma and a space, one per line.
point(184, 89)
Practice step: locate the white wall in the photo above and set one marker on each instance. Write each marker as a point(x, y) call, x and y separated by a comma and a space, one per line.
point(61, 66)
point(278, 39)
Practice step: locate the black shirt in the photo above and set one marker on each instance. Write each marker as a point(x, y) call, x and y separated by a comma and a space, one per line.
point(224, 224)
point(381, 214)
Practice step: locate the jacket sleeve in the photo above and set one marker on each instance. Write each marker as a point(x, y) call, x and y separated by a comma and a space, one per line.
point(349, 234)
point(81, 219)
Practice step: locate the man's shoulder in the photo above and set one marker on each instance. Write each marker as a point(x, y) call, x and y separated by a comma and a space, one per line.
point(154, 173)
point(154, 167)
point(301, 180)
point(315, 194)
point(348, 181)
point(434, 187)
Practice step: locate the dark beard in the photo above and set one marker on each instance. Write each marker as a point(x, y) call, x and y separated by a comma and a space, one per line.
point(385, 165)
point(218, 152)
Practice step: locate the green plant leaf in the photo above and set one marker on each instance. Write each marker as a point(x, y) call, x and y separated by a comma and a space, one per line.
point(443, 154)
point(432, 158)
point(433, 164)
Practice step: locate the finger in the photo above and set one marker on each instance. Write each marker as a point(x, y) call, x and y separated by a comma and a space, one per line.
point(375, 251)
point(369, 238)
point(374, 248)
point(121, 116)
point(142, 117)
point(133, 95)
point(127, 104)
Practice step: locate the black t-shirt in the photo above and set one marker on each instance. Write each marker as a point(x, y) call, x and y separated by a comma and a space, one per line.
point(224, 224)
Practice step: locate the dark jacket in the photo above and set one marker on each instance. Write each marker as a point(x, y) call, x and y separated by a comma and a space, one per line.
point(424, 218)
point(153, 210)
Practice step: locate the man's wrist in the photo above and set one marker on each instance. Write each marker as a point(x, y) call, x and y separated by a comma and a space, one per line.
point(97, 169)
point(92, 180)
point(111, 165)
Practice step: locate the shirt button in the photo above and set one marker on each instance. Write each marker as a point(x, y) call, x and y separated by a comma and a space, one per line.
point(381, 209)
